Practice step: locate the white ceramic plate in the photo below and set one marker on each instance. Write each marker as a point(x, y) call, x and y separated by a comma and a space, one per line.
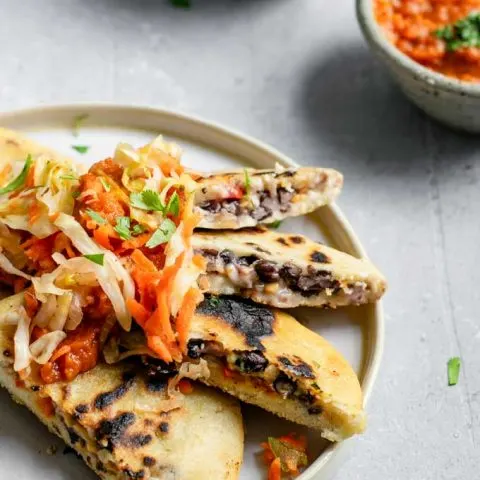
point(356, 332)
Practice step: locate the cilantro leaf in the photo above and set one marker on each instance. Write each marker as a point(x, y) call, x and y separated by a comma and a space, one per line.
point(173, 206)
point(162, 234)
point(105, 184)
point(275, 224)
point(96, 217)
point(453, 370)
point(81, 148)
point(214, 301)
point(16, 183)
point(147, 200)
point(77, 123)
point(123, 228)
point(96, 258)
point(464, 33)
point(136, 201)
point(152, 200)
point(75, 194)
point(138, 229)
point(247, 182)
point(181, 3)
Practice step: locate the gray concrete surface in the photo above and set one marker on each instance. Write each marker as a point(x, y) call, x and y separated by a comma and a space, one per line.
point(297, 74)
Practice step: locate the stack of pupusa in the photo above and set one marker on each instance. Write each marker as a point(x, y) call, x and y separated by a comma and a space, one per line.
point(272, 361)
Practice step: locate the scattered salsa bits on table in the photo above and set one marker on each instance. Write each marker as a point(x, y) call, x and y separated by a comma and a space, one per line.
point(442, 35)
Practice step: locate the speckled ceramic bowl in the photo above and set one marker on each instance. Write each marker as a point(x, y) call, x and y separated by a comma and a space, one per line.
point(448, 100)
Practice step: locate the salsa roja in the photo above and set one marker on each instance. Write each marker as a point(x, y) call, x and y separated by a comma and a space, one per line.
point(425, 30)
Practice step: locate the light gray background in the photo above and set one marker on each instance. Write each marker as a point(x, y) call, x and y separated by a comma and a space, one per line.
point(297, 74)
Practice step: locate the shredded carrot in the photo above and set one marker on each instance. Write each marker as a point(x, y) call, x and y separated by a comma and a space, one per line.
point(184, 318)
point(275, 470)
point(142, 261)
point(138, 312)
point(31, 304)
point(159, 323)
point(62, 243)
point(101, 236)
point(155, 343)
point(34, 212)
point(30, 181)
point(60, 352)
point(136, 242)
point(185, 386)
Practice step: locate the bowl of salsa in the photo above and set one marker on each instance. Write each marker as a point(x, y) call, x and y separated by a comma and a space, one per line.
point(432, 49)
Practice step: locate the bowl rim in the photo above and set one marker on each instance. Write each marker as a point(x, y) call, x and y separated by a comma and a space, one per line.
point(375, 37)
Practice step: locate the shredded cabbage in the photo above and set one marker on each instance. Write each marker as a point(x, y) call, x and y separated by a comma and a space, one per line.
point(21, 341)
point(57, 322)
point(7, 266)
point(46, 311)
point(45, 285)
point(75, 314)
point(42, 349)
point(53, 183)
point(109, 275)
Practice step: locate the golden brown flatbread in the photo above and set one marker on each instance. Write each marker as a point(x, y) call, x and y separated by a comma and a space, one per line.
point(265, 357)
point(123, 424)
point(249, 197)
point(285, 270)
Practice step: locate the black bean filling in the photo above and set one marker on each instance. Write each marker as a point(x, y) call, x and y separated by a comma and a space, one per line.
point(158, 373)
point(251, 362)
point(254, 362)
point(267, 204)
point(195, 348)
point(267, 271)
point(308, 283)
point(284, 386)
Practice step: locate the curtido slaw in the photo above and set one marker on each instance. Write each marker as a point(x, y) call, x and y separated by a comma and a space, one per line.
point(91, 252)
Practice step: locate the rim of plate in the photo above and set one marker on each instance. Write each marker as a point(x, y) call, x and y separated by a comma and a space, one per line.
point(70, 110)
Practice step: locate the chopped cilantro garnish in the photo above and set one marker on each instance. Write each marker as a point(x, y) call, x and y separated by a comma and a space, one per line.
point(214, 301)
point(75, 194)
point(275, 224)
point(77, 123)
point(289, 455)
point(68, 176)
point(247, 182)
point(173, 206)
point(105, 184)
point(152, 200)
point(123, 228)
point(96, 258)
point(96, 217)
point(16, 183)
point(147, 200)
point(181, 3)
point(138, 229)
point(81, 148)
point(162, 234)
point(453, 370)
point(464, 33)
